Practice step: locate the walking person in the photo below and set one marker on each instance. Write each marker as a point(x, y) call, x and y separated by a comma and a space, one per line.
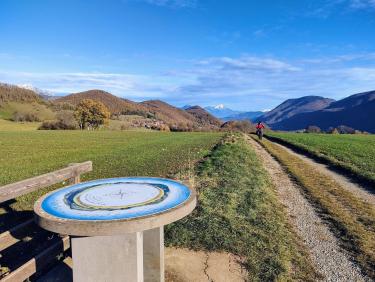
point(260, 128)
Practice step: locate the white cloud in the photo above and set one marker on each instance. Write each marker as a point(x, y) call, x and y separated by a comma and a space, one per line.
point(246, 82)
point(259, 33)
point(129, 85)
point(330, 7)
point(362, 4)
point(248, 63)
point(249, 80)
point(172, 3)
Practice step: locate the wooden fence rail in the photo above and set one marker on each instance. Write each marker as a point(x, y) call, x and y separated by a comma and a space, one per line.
point(8, 238)
point(72, 172)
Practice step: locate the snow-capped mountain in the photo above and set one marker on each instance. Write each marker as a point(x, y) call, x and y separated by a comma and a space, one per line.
point(226, 114)
point(220, 111)
point(43, 93)
point(186, 107)
point(219, 107)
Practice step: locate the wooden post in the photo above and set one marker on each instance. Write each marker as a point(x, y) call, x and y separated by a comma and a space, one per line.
point(76, 178)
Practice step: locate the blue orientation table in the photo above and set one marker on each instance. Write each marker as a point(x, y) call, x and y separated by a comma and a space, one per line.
point(116, 225)
point(117, 198)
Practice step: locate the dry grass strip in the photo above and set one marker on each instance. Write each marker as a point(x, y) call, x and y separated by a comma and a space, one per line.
point(352, 219)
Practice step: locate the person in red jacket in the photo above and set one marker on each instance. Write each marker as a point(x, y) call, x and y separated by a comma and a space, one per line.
point(260, 127)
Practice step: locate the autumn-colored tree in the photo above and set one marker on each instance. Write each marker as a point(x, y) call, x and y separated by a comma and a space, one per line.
point(91, 114)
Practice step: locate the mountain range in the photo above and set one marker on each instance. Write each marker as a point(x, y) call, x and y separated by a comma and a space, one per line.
point(356, 111)
point(13, 93)
point(220, 111)
point(194, 116)
point(227, 114)
point(292, 107)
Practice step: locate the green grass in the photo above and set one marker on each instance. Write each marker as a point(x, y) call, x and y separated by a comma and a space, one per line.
point(6, 125)
point(39, 110)
point(351, 218)
point(354, 153)
point(238, 212)
point(114, 154)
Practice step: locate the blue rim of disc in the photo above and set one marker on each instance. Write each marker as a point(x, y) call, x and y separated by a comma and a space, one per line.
point(64, 204)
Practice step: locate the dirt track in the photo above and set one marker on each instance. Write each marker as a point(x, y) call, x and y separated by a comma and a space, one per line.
point(329, 259)
point(345, 182)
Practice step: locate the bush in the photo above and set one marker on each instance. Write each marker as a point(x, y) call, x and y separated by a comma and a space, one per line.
point(63, 106)
point(67, 117)
point(182, 127)
point(313, 129)
point(56, 125)
point(21, 117)
point(241, 125)
point(332, 130)
point(343, 129)
point(65, 121)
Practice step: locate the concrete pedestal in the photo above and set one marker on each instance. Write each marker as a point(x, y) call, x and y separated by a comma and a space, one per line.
point(153, 254)
point(133, 257)
point(108, 258)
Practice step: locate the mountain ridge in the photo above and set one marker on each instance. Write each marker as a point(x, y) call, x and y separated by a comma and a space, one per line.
point(220, 111)
point(14, 93)
point(356, 111)
point(291, 107)
point(203, 117)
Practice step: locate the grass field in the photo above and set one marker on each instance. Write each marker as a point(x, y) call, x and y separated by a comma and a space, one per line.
point(6, 125)
point(355, 153)
point(238, 212)
point(114, 154)
point(352, 219)
point(39, 110)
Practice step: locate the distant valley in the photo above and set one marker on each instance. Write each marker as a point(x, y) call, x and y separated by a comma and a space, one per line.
point(356, 111)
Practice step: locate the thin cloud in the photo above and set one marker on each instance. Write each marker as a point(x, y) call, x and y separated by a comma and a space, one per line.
point(338, 6)
point(172, 3)
point(244, 82)
point(249, 63)
point(362, 4)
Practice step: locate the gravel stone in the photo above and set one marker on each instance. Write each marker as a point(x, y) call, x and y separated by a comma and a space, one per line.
point(329, 258)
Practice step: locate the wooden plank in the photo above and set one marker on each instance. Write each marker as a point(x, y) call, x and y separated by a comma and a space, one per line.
point(63, 272)
point(38, 262)
point(10, 237)
point(14, 190)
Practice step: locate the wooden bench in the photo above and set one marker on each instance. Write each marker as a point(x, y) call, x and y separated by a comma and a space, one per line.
point(28, 234)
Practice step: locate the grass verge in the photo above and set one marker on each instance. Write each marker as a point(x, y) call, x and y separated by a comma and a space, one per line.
point(238, 212)
point(352, 219)
point(352, 154)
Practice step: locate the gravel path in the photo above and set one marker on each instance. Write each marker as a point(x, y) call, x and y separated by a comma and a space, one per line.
point(344, 181)
point(329, 259)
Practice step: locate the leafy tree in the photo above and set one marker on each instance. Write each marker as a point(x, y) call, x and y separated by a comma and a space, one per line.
point(91, 114)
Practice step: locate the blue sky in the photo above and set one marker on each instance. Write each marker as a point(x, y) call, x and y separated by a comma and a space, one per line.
point(247, 55)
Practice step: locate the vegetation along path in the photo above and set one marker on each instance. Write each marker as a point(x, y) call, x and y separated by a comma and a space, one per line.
point(330, 260)
point(345, 182)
